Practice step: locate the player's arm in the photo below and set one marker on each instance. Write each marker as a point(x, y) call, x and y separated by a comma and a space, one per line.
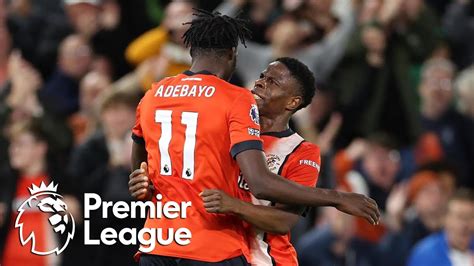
point(139, 184)
point(266, 185)
point(246, 148)
point(139, 154)
point(266, 218)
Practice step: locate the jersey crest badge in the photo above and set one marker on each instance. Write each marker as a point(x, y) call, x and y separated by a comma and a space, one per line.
point(254, 114)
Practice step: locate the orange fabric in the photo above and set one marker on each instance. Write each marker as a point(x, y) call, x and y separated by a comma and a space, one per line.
point(224, 120)
point(420, 180)
point(369, 232)
point(146, 45)
point(281, 249)
point(428, 149)
point(15, 253)
point(341, 165)
point(81, 127)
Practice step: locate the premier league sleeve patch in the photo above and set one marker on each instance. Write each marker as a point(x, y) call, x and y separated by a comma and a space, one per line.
point(254, 114)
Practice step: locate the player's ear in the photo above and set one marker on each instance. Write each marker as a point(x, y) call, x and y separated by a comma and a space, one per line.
point(294, 102)
point(233, 54)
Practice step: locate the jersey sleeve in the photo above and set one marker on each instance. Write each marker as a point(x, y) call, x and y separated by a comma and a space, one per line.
point(137, 134)
point(244, 125)
point(304, 165)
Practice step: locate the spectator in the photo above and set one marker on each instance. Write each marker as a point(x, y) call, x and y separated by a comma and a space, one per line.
point(19, 102)
point(261, 15)
point(84, 16)
point(453, 129)
point(374, 77)
point(121, 21)
point(101, 165)
point(455, 245)
point(426, 204)
point(459, 28)
point(36, 32)
point(465, 92)
point(20, 93)
point(5, 48)
point(332, 243)
point(21, 84)
point(161, 51)
point(102, 22)
point(370, 168)
point(321, 56)
point(84, 123)
point(60, 95)
point(29, 165)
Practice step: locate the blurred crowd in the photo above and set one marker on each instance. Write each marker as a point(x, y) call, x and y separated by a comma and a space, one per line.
point(393, 114)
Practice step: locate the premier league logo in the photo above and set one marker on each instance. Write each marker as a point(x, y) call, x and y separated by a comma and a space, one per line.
point(47, 200)
point(254, 114)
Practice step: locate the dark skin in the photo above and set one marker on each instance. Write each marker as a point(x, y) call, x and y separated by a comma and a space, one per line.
point(277, 99)
point(262, 182)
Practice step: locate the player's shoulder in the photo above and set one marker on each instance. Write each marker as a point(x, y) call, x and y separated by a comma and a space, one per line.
point(308, 147)
point(307, 151)
point(231, 88)
point(234, 95)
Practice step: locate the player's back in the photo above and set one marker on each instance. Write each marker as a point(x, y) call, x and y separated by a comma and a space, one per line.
point(193, 124)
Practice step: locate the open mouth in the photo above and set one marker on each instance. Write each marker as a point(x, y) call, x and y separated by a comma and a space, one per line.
point(256, 96)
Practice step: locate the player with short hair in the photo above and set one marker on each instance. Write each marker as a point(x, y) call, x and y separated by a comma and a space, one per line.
point(196, 131)
point(287, 154)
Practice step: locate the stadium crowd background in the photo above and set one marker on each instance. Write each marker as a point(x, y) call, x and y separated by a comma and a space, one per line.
point(393, 114)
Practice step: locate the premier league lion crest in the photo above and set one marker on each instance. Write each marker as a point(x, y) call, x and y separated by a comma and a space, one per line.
point(47, 200)
point(254, 114)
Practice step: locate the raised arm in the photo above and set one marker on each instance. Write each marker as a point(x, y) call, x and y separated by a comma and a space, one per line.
point(324, 55)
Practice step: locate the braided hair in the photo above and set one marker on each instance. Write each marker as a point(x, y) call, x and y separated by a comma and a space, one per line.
point(213, 32)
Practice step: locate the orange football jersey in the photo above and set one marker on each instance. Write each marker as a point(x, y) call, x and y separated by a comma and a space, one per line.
point(193, 125)
point(297, 160)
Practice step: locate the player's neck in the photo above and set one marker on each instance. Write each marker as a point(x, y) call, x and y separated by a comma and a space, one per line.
point(276, 124)
point(212, 66)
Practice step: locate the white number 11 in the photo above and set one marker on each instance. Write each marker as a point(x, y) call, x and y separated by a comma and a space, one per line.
point(189, 119)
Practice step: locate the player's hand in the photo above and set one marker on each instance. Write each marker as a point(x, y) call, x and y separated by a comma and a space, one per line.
point(359, 205)
point(216, 201)
point(139, 184)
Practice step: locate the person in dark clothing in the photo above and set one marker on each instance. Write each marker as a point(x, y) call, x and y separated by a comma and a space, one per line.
point(29, 163)
point(374, 77)
point(425, 197)
point(453, 129)
point(60, 95)
point(101, 165)
point(458, 25)
point(37, 31)
point(334, 244)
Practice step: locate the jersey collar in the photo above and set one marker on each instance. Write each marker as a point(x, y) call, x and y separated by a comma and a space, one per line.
point(203, 72)
point(281, 134)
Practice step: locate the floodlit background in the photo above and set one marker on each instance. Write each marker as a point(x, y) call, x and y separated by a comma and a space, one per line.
point(393, 113)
